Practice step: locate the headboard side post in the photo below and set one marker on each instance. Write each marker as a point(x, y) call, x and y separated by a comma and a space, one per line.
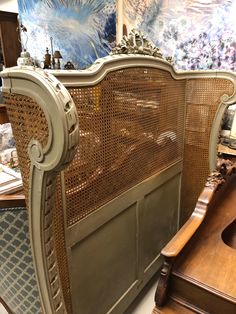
point(45, 163)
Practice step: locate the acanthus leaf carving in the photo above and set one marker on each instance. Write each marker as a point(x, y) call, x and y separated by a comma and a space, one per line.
point(137, 43)
point(224, 168)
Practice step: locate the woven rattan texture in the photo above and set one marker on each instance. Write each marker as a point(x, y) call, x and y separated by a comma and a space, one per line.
point(60, 246)
point(18, 286)
point(28, 122)
point(202, 100)
point(131, 126)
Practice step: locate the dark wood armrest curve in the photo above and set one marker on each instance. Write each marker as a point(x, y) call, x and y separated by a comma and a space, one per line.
point(214, 181)
point(177, 243)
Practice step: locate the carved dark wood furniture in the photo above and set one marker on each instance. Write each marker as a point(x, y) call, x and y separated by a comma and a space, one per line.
point(10, 38)
point(106, 154)
point(198, 275)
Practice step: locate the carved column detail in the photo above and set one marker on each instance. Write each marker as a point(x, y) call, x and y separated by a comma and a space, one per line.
point(163, 283)
point(49, 249)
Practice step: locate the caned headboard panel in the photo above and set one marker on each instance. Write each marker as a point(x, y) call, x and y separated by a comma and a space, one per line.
point(203, 99)
point(131, 126)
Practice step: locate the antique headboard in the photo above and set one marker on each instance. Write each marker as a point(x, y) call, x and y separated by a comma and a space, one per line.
point(113, 160)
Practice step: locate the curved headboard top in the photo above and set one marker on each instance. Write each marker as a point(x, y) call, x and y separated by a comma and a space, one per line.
point(101, 67)
point(134, 50)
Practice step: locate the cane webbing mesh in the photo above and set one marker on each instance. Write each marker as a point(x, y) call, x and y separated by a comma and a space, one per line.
point(28, 122)
point(202, 100)
point(60, 246)
point(131, 126)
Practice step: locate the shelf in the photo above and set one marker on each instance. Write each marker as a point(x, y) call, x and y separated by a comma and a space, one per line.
point(226, 150)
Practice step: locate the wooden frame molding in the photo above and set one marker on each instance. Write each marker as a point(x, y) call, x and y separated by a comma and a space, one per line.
point(62, 119)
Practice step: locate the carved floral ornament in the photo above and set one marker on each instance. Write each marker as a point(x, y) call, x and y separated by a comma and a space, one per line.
point(224, 168)
point(137, 43)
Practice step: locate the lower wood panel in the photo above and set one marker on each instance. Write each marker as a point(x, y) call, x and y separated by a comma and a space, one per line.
point(104, 264)
point(158, 219)
point(112, 262)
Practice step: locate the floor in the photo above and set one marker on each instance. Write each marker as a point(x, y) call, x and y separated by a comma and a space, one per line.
point(144, 304)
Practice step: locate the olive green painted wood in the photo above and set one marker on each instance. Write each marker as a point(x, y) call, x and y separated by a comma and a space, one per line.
point(158, 219)
point(86, 226)
point(119, 255)
point(105, 263)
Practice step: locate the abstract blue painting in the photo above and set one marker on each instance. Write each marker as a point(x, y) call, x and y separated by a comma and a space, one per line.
point(198, 34)
point(83, 30)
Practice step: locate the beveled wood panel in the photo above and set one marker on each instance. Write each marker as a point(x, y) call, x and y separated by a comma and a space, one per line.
point(105, 264)
point(200, 296)
point(127, 239)
point(159, 219)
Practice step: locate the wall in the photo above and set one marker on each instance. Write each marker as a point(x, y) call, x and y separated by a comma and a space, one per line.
point(83, 30)
point(199, 34)
point(9, 6)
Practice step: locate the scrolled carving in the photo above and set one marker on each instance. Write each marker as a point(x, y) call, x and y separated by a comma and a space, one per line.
point(224, 166)
point(35, 151)
point(214, 179)
point(217, 178)
point(170, 59)
point(137, 43)
point(61, 107)
point(225, 98)
point(162, 284)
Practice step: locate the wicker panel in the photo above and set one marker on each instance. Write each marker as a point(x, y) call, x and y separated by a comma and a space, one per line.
point(131, 126)
point(28, 122)
point(203, 99)
point(60, 246)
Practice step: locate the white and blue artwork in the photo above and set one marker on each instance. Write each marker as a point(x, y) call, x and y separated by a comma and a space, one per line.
point(83, 30)
point(197, 34)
